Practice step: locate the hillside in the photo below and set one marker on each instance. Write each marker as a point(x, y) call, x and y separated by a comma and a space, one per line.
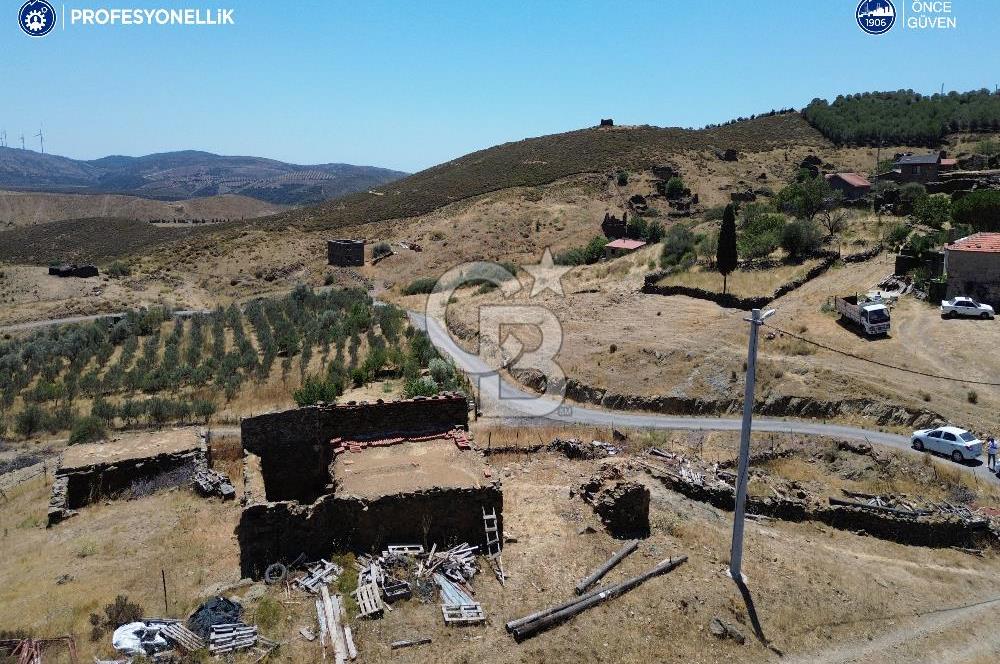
point(188, 174)
point(903, 116)
point(23, 208)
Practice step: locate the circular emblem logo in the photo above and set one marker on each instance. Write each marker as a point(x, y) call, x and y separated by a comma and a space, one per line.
point(876, 16)
point(36, 18)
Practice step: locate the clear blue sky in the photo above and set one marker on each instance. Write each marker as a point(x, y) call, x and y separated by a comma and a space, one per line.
point(409, 84)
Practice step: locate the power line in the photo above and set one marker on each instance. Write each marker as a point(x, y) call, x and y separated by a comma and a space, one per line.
point(882, 364)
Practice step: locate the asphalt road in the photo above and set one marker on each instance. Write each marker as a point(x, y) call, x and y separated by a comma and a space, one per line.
point(510, 404)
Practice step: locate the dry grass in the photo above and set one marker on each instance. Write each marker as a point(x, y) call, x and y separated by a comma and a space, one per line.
point(742, 283)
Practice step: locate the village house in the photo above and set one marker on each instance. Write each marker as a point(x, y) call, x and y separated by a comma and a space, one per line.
point(920, 167)
point(852, 185)
point(621, 247)
point(972, 267)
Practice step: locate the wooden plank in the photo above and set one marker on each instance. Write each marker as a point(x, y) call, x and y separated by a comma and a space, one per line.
point(599, 573)
point(396, 645)
point(333, 626)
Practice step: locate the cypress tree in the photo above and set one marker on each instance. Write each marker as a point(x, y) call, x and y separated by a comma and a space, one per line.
point(726, 256)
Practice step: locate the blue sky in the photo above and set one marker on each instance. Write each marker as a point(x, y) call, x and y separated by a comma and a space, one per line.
point(411, 84)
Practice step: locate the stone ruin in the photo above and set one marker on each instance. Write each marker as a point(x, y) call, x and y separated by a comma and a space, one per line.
point(622, 505)
point(79, 271)
point(94, 471)
point(613, 227)
point(358, 477)
point(607, 122)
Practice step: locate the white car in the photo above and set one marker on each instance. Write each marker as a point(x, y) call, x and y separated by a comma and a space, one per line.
point(965, 306)
point(959, 444)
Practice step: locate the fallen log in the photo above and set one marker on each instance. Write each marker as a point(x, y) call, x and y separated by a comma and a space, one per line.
point(877, 508)
point(529, 629)
point(599, 573)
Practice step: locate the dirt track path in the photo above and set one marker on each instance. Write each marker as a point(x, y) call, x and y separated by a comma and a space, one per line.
point(958, 635)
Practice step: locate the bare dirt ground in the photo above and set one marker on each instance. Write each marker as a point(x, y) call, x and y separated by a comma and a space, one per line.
point(132, 446)
point(822, 594)
point(407, 467)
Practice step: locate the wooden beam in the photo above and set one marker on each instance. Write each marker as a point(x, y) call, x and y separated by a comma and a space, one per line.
point(599, 573)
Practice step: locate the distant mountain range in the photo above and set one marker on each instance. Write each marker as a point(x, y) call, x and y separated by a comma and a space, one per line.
point(188, 174)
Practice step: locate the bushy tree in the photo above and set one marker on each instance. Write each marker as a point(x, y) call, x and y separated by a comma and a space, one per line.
point(800, 238)
point(675, 187)
point(87, 430)
point(678, 246)
point(979, 209)
point(726, 256)
point(761, 235)
point(933, 211)
point(805, 198)
point(29, 420)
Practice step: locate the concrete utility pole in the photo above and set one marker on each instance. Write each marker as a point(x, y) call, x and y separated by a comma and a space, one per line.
point(736, 554)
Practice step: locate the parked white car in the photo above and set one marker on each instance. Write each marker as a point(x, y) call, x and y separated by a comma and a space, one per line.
point(959, 444)
point(965, 306)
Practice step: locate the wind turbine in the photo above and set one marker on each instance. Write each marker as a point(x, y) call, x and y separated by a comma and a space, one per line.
point(41, 139)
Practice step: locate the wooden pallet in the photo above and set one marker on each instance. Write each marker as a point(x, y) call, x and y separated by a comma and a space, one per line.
point(405, 549)
point(463, 614)
point(182, 636)
point(322, 573)
point(369, 600)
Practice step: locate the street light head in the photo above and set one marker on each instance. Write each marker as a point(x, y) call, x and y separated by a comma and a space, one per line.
point(767, 314)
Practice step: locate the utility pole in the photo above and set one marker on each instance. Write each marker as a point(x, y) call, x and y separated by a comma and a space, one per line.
point(736, 553)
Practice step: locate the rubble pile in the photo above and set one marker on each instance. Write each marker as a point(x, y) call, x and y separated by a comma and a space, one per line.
point(574, 448)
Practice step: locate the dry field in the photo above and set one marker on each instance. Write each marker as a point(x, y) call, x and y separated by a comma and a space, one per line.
point(822, 594)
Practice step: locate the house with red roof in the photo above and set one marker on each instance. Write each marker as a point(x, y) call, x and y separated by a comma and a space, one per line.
point(972, 267)
point(621, 246)
point(852, 185)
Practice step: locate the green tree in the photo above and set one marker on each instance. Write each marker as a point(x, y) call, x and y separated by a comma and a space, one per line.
point(805, 198)
point(204, 409)
point(726, 255)
point(316, 389)
point(800, 238)
point(761, 235)
point(87, 430)
point(933, 211)
point(30, 420)
point(678, 246)
point(979, 209)
point(675, 187)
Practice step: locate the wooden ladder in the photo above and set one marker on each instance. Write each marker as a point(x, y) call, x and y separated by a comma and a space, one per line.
point(493, 544)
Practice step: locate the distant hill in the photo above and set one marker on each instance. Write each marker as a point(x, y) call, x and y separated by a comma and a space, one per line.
point(188, 174)
point(24, 208)
point(903, 117)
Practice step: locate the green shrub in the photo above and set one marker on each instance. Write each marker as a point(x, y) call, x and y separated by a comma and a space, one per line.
point(934, 210)
point(119, 269)
point(675, 187)
point(800, 238)
point(897, 234)
point(622, 178)
point(678, 246)
point(424, 386)
point(419, 286)
point(87, 430)
point(381, 249)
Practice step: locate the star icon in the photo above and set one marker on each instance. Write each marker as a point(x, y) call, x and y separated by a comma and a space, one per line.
point(546, 275)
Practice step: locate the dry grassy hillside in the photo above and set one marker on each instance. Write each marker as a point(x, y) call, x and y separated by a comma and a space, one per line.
point(23, 208)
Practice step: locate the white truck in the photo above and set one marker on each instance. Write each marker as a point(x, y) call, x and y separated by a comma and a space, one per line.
point(871, 316)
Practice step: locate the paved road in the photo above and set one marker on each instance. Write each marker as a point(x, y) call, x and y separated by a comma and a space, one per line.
point(48, 322)
point(508, 402)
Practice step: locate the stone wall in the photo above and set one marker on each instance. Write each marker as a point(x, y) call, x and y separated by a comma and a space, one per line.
point(79, 486)
point(276, 531)
point(975, 274)
point(293, 445)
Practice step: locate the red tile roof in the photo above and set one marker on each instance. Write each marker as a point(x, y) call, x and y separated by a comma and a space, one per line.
point(852, 179)
point(982, 242)
point(949, 162)
point(626, 244)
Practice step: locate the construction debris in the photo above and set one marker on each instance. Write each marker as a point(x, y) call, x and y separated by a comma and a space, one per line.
point(29, 650)
point(181, 636)
point(724, 630)
point(574, 448)
point(458, 606)
point(140, 639)
point(332, 618)
point(369, 600)
point(208, 482)
point(540, 621)
point(599, 573)
point(320, 574)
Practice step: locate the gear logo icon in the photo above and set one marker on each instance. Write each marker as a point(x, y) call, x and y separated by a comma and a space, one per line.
point(37, 18)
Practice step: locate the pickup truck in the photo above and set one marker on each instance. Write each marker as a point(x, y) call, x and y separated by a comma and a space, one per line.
point(870, 316)
point(965, 306)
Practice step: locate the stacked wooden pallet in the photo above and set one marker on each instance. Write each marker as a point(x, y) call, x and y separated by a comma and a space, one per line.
point(457, 604)
point(230, 637)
